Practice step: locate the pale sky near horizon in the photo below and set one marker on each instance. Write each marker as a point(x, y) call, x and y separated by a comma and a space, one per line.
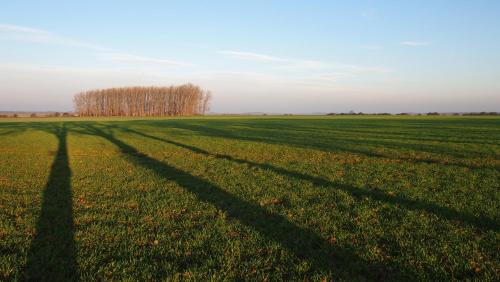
point(257, 56)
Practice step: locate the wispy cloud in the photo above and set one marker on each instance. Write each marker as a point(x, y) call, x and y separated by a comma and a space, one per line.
point(29, 34)
point(129, 58)
point(21, 29)
point(250, 56)
point(292, 64)
point(311, 65)
point(415, 43)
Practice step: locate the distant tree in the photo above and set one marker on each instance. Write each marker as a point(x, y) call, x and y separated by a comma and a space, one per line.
point(433, 114)
point(57, 114)
point(65, 115)
point(206, 102)
point(14, 115)
point(33, 115)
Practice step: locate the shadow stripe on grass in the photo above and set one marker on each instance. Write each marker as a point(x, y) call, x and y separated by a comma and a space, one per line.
point(303, 243)
point(481, 222)
point(52, 254)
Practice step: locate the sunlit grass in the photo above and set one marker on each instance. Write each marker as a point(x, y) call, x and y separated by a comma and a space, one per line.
point(364, 198)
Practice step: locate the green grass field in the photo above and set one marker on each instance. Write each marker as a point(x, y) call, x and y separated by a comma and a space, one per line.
point(298, 198)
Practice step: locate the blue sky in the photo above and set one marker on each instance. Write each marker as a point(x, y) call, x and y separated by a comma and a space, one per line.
point(257, 56)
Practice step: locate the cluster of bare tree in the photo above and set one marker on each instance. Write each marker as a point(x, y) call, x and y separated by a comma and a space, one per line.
point(187, 99)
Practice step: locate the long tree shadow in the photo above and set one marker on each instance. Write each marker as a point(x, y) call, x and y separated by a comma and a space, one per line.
point(331, 143)
point(480, 222)
point(52, 255)
point(303, 243)
point(7, 132)
point(12, 128)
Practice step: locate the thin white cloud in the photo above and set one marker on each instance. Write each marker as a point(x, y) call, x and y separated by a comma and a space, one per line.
point(250, 56)
point(291, 64)
point(129, 58)
point(415, 43)
point(28, 34)
point(310, 65)
point(21, 29)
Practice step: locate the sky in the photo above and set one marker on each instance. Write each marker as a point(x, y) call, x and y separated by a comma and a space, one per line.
point(257, 56)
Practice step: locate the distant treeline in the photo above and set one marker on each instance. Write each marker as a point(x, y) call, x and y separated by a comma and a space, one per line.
point(482, 114)
point(351, 113)
point(34, 115)
point(187, 99)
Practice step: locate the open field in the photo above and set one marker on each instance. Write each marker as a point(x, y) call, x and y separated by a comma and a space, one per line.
point(228, 198)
